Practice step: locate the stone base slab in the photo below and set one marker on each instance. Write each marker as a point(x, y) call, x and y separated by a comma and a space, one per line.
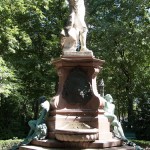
point(31, 147)
point(54, 144)
point(59, 144)
point(85, 53)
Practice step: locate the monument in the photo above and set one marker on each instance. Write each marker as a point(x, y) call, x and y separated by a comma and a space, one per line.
point(76, 117)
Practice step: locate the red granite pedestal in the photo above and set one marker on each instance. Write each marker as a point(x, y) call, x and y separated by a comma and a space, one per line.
point(91, 113)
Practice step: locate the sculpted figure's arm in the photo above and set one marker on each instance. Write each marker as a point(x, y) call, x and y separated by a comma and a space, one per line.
point(45, 108)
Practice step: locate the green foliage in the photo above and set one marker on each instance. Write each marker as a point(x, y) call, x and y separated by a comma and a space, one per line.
point(29, 42)
point(142, 143)
point(7, 79)
point(142, 117)
point(7, 144)
point(119, 33)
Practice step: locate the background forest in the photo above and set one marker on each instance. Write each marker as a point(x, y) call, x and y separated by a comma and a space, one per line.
point(119, 33)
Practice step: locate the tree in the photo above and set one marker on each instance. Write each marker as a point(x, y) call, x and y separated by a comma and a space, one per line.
point(119, 33)
point(29, 41)
point(142, 117)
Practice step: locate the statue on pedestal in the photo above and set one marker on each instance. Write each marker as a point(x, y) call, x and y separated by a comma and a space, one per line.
point(38, 128)
point(109, 109)
point(76, 28)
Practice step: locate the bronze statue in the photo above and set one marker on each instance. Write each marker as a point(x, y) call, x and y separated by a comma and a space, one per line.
point(109, 109)
point(38, 128)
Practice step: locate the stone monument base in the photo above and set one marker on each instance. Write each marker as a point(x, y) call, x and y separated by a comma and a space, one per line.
point(79, 54)
point(56, 145)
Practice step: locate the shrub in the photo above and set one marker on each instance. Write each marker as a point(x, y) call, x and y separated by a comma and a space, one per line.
point(142, 143)
point(142, 119)
point(8, 144)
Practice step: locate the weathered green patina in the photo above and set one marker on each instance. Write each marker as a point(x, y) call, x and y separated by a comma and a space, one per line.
point(38, 128)
point(109, 113)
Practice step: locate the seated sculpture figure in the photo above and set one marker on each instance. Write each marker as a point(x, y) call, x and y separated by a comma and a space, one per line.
point(76, 28)
point(109, 109)
point(38, 128)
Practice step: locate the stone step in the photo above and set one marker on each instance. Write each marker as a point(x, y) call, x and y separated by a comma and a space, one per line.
point(82, 145)
point(31, 147)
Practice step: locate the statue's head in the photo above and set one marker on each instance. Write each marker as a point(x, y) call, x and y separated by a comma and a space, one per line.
point(42, 99)
point(108, 98)
point(44, 103)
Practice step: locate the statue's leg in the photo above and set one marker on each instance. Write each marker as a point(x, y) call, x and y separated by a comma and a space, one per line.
point(28, 139)
point(119, 128)
point(32, 124)
point(83, 34)
point(81, 25)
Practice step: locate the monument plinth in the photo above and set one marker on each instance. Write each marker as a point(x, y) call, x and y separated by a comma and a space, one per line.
point(76, 113)
point(79, 74)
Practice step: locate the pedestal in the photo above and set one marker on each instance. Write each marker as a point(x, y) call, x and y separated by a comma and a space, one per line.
point(74, 118)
